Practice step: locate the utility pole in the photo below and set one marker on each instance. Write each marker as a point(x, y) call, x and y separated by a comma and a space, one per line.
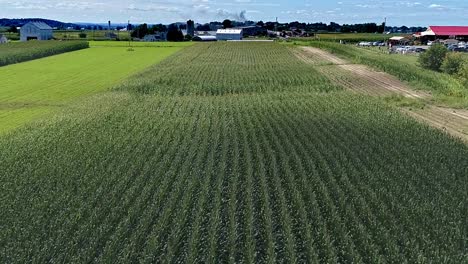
point(276, 25)
point(384, 24)
point(129, 36)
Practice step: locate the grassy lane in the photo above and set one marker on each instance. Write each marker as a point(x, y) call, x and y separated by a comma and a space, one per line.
point(33, 88)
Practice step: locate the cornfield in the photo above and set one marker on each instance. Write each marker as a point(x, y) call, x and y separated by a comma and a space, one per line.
point(173, 173)
point(16, 52)
point(229, 68)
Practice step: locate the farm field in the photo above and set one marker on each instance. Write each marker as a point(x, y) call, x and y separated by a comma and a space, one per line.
point(138, 44)
point(294, 170)
point(363, 80)
point(353, 37)
point(23, 51)
point(446, 90)
point(204, 70)
point(32, 88)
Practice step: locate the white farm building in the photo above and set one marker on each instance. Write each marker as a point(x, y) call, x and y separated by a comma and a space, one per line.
point(3, 39)
point(229, 34)
point(35, 30)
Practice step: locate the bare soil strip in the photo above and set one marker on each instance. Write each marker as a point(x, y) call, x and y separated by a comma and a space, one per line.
point(444, 119)
point(324, 55)
point(361, 79)
point(363, 74)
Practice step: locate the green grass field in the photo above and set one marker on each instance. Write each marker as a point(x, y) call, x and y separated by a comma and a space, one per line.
point(31, 88)
point(183, 164)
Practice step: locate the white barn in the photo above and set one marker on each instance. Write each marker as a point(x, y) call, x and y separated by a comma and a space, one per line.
point(35, 30)
point(3, 39)
point(229, 34)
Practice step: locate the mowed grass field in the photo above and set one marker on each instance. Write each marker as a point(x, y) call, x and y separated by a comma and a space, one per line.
point(291, 170)
point(32, 88)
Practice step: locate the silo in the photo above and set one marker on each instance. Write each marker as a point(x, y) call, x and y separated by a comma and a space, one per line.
point(190, 28)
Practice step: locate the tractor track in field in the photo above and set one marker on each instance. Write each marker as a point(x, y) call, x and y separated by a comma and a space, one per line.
point(362, 79)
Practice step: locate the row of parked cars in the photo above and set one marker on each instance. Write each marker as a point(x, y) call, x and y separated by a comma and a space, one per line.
point(408, 49)
point(371, 44)
point(460, 46)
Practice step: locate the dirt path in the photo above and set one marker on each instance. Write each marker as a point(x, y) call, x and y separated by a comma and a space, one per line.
point(371, 81)
point(362, 79)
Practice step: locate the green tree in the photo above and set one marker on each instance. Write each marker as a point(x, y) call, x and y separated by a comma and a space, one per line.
point(188, 37)
point(463, 75)
point(174, 34)
point(452, 64)
point(13, 29)
point(433, 58)
point(82, 35)
point(140, 31)
point(227, 23)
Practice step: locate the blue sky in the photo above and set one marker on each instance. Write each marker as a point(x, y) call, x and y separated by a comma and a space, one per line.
point(398, 12)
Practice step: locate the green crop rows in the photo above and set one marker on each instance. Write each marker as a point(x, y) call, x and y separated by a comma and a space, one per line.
point(23, 51)
point(257, 174)
point(227, 68)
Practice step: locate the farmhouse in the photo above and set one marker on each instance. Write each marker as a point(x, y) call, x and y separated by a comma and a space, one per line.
point(3, 39)
point(35, 30)
point(229, 34)
point(160, 36)
point(445, 32)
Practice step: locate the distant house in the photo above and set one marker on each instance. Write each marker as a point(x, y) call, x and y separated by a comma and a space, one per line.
point(3, 39)
point(161, 36)
point(35, 30)
point(229, 34)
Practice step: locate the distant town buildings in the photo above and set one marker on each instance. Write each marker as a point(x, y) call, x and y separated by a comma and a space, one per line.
point(35, 30)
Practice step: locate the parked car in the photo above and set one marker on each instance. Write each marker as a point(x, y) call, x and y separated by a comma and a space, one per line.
point(378, 44)
point(457, 49)
point(364, 44)
point(429, 43)
point(420, 50)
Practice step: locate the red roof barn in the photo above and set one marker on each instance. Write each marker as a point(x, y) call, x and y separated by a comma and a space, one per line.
point(447, 31)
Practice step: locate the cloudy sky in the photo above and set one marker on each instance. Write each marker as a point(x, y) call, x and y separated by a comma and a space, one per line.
point(398, 12)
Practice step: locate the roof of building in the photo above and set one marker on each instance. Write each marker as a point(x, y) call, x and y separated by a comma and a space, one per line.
point(447, 30)
point(205, 38)
point(229, 31)
point(40, 25)
point(397, 38)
